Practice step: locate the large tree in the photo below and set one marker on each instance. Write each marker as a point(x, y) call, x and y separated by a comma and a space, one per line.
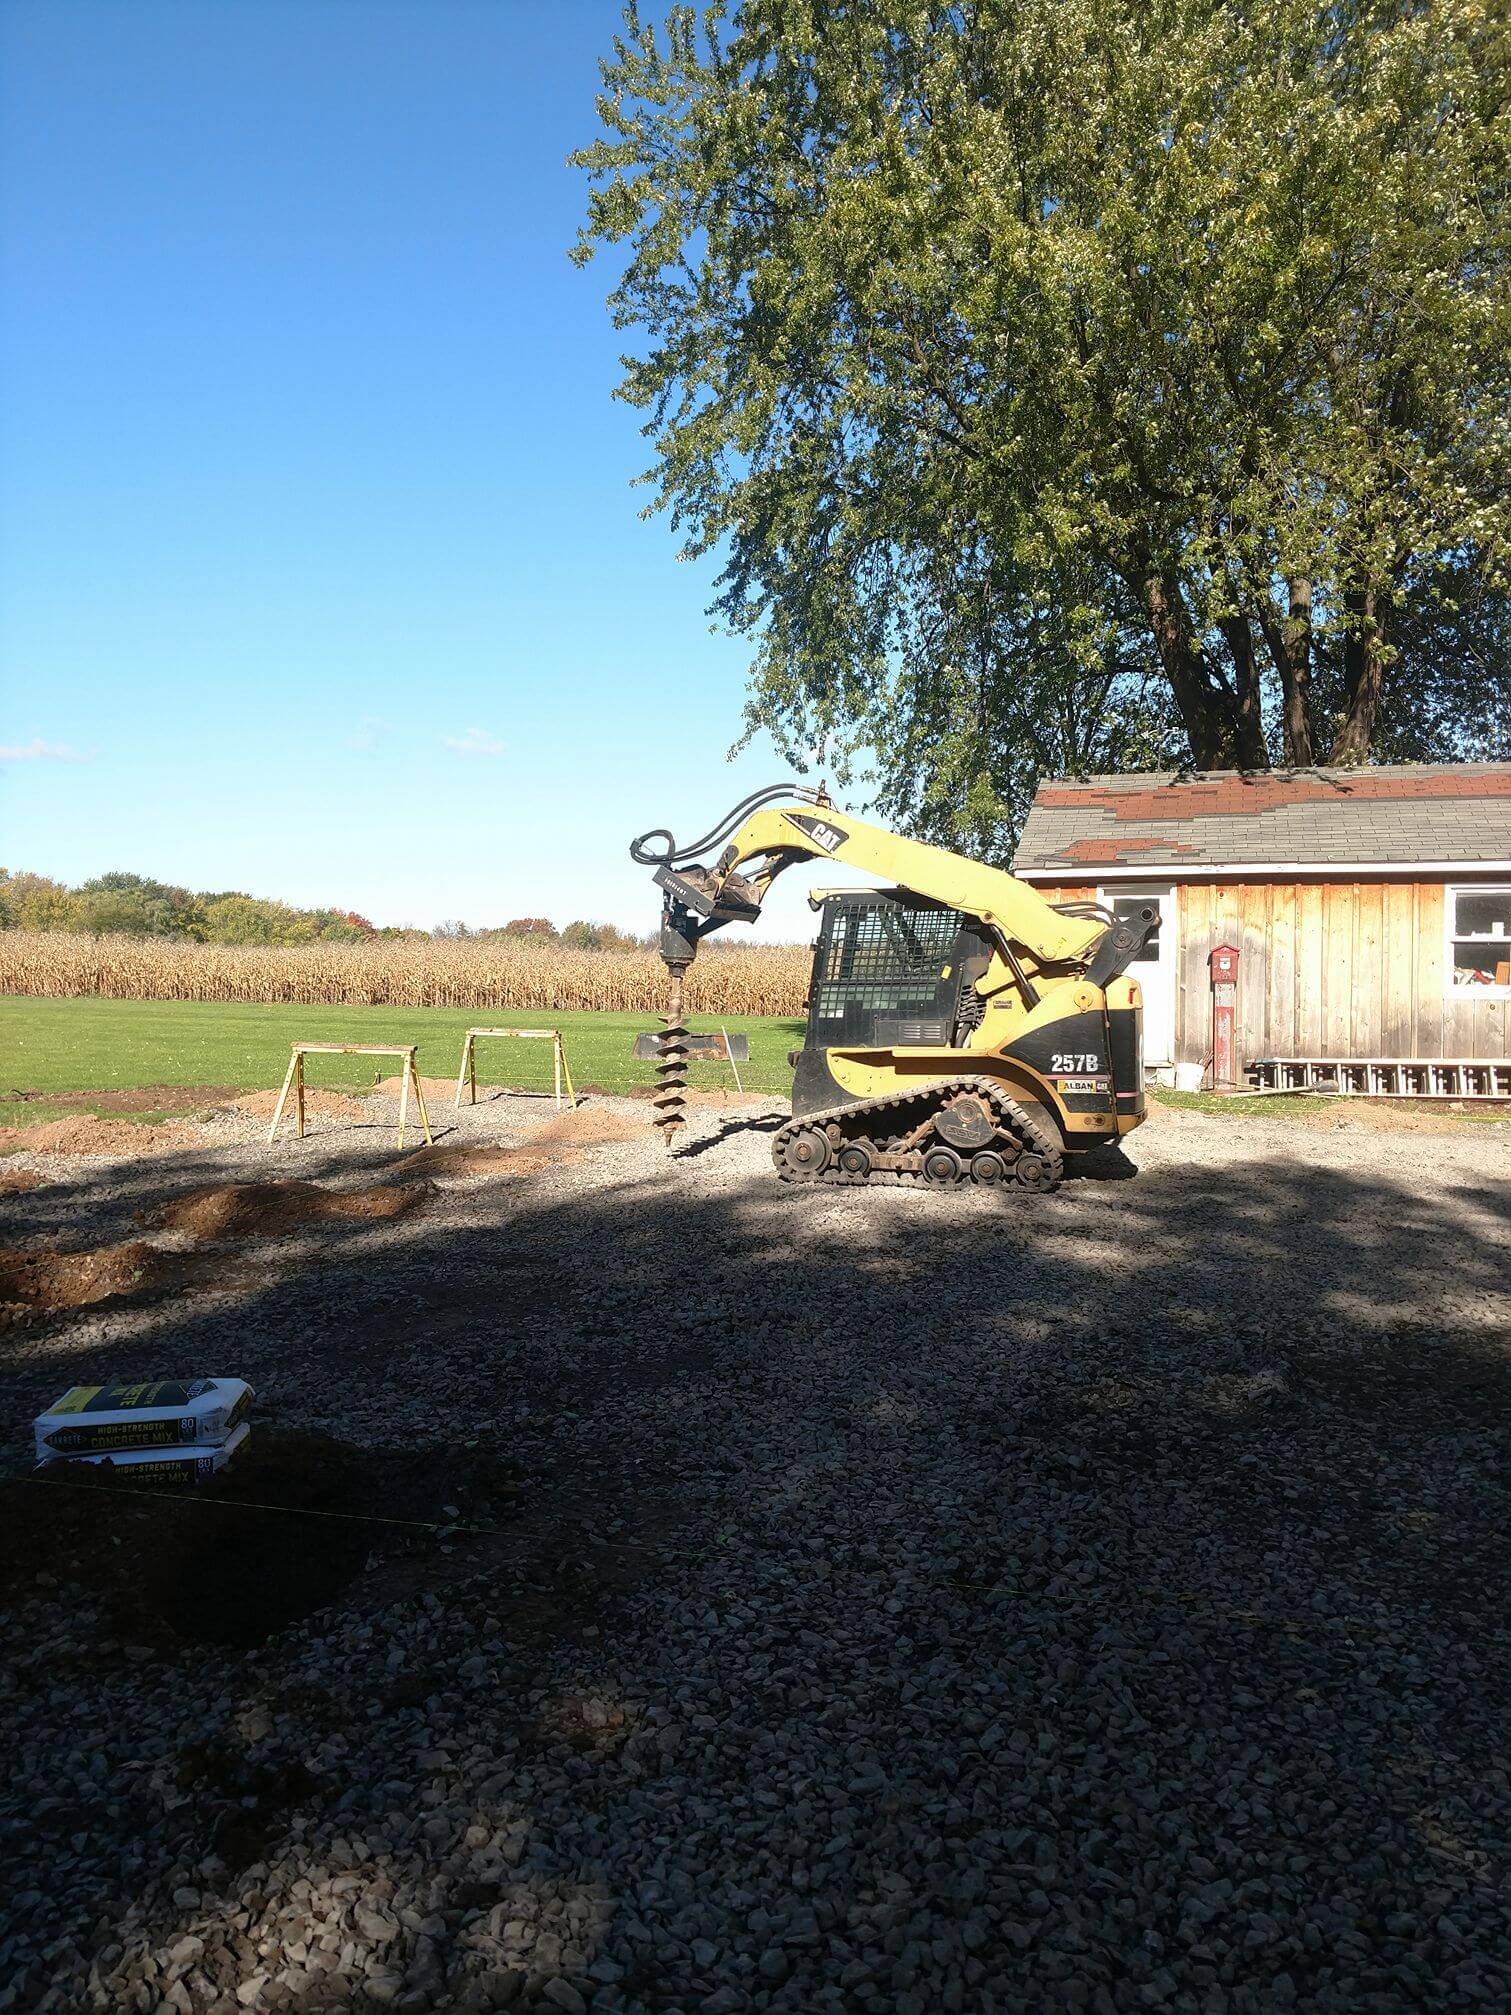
point(1069, 384)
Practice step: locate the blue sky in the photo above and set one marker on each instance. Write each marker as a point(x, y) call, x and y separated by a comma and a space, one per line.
point(321, 573)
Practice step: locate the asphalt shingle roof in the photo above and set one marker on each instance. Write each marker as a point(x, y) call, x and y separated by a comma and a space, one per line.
point(1454, 813)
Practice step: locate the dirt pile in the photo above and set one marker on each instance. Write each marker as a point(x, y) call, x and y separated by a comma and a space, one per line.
point(317, 1104)
point(85, 1135)
point(1371, 1115)
point(557, 1140)
point(40, 1282)
point(273, 1209)
point(14, 1180)
point(434, 1088)
point(139, 1098)
point(36, 1281)
point(1356, 1115)
point(449, 1160)
point(586, 1126)
point(714, 1095)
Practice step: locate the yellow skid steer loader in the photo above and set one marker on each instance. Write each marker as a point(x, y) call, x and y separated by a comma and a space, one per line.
point(960, 1026)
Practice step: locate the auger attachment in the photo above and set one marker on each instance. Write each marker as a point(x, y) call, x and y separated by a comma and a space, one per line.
point(694, 901)
point(671, 1072)
point(679, 944)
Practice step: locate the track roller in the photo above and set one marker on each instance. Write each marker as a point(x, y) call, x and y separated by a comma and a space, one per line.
point(805, 1153)
point(981, 1134)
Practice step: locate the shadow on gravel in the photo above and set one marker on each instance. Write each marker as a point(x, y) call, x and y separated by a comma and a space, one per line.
point(707, 1143)
point(1182, 1491)
point(284, 1532)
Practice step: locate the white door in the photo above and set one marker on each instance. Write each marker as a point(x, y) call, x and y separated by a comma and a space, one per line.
point(1154, 968)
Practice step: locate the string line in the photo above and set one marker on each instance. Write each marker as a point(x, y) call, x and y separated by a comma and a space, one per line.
point(1251, 1618)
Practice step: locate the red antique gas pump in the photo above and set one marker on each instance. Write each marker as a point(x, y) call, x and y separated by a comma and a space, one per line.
point(1223, 963)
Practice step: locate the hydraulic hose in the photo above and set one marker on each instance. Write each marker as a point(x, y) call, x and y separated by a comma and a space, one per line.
point(671, 855)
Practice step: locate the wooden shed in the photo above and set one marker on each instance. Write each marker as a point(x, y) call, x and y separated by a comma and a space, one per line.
point(1371, 909)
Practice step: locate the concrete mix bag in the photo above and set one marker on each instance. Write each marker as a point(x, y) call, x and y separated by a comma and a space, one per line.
point(161, 1468)
point(166, 1413)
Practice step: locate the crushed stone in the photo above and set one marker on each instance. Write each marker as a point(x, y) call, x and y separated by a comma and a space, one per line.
point(816, 1600)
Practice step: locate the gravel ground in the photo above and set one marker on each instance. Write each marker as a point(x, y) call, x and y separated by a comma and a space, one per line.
point(816, 1601)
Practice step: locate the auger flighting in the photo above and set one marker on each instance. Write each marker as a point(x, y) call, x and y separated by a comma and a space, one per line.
point(671, 1071)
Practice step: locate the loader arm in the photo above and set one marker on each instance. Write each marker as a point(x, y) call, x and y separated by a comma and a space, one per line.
point(777, 836)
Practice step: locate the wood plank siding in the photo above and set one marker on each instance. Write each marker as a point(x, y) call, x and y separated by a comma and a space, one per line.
point(1332, 968)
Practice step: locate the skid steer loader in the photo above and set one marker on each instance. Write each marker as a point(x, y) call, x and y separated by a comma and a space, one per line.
point(960, 1026)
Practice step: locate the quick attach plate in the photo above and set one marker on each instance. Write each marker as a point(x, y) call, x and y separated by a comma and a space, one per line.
point(696, 890)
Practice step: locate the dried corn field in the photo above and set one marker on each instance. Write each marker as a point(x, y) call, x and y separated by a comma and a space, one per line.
point(500, 973)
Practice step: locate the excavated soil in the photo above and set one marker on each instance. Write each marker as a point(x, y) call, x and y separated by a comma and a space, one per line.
point(705, 1095)
point(85, 1135)
point(1359, 1115)
point(557, 1140)
point(272, 1209)
point(317, 1104)
point(434, 1088)
point(586, 1126)
point(42, 1282)
point(14, 1180)
point(446, 1160)
point(1368, 1116)
point(139, 1098)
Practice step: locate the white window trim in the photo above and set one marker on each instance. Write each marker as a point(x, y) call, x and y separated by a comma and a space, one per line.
point(1451, 891)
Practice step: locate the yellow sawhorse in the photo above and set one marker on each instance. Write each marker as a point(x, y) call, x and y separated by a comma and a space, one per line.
point(468, 1072)
point(295, 1078)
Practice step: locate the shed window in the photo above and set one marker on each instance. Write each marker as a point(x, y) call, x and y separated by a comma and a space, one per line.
point(1130, 906)
point(1479, 940)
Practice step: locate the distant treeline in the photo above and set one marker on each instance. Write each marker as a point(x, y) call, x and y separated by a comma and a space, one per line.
point(130, 905)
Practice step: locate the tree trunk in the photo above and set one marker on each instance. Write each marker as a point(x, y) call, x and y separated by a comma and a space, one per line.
point(1290, 645)
point(1248, 726)
point(1204, 712)
point(1363, 671)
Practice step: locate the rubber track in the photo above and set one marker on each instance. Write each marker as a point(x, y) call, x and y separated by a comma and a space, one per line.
point(1014, 1118)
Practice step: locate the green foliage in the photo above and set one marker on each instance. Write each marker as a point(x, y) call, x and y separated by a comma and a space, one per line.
point(588, 937)
point(540, 928)
point(249, 920)
point(1077, 384)
point(129, 905)
point(36, 903)
point(137, 906)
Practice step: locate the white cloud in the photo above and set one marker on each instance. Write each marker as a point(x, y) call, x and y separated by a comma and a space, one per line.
point(38, 751)
point(476, 742)
point(368, 732)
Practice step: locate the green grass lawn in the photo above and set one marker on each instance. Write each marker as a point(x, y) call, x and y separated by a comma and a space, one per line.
point(1280, 1105)
point(108, 1045)
point(1225, 1105)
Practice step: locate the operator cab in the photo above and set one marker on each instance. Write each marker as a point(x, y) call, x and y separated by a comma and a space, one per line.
point(893, 972)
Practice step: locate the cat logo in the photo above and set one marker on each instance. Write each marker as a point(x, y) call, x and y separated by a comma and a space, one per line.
point(822, 835)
